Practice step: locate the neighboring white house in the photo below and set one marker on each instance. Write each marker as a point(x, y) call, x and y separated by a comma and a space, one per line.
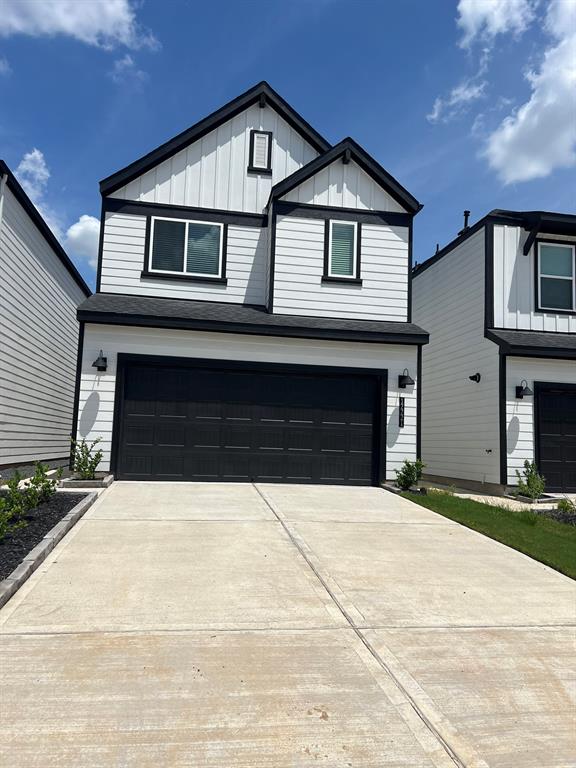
point(500, 301)
point(252, 315)
point(40, 290)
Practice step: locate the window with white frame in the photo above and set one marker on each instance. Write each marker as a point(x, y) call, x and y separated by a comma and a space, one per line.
point(181, 247)
point(343, 249)
point(260, 151)
point(556, 277)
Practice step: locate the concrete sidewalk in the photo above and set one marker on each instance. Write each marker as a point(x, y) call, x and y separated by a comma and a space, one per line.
point(285, 626)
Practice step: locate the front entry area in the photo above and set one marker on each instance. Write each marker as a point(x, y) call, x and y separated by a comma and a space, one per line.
point(208, 420)
point(556, 435)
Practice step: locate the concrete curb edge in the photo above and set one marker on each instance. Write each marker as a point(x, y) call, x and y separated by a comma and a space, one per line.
point(36, 556)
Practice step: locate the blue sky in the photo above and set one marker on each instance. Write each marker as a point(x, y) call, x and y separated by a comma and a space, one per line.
point(470, 104)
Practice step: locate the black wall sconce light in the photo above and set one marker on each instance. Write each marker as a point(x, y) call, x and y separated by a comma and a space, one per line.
point(475, 377)
point(523, 390)
point(101, 363)
point(405, 380)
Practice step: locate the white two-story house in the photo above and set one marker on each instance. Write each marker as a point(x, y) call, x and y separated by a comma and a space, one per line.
point(499, 302)
point(252, 314)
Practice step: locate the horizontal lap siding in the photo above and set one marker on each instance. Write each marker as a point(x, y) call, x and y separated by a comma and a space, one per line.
point(514, 285)
point(211, 172)
point(96, 407)
point(343, 185)
point(299, 267)
point(38, 342)
point(520, 413)
point(123, 260)
point(460, 421)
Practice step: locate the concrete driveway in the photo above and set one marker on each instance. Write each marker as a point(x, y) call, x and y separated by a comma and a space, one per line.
point(235, 626)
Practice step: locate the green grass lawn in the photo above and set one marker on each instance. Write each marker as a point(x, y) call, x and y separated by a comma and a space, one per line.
point(539, 537)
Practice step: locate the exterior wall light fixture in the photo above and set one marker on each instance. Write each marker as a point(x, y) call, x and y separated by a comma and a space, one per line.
point(475, 377)
point(405, 380)
point(523, 390)
point(101, 363)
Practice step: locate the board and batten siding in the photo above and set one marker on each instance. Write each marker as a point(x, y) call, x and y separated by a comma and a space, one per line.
point(97, 390)
point(211, 172)
point(520, 431)
point(299, 267)
point(514, 288)
point(343, 185)
point(460, 418)
point(123, 259)
point(38, 342)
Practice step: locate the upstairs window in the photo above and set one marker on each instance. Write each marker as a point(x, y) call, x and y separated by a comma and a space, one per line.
point(191, 248)
point(556, 277)
point(260, 152)
point(343, 250)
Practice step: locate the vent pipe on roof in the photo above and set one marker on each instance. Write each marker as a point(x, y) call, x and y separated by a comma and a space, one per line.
point(466, 225)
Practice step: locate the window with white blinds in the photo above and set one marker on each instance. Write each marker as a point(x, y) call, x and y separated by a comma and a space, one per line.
point(342, 249)
point(260, 150)
point(191, 248)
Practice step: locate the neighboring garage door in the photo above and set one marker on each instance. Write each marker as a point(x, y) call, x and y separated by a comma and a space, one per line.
point(556, 435)
point(183, 421)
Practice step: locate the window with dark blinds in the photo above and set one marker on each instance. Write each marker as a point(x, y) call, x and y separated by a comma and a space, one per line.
point(342, 249)
point(168, 245)
point(203, 249)
point(186, 247)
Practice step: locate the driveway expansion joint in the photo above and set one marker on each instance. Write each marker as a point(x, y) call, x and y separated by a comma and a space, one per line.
point(472, 760)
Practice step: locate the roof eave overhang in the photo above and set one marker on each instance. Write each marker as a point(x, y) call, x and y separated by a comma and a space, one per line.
point(189, 324)
point(14, 186)
point(518, 350)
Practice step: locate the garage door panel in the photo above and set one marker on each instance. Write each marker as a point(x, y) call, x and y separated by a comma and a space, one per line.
point(196, 424)
point(557, 436)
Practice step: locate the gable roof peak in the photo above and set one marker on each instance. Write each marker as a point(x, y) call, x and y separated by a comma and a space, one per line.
point(368, 164)
point(119, 179)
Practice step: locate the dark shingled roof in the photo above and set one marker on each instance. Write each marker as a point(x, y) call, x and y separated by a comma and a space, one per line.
point(534, 343)
point(118, 309)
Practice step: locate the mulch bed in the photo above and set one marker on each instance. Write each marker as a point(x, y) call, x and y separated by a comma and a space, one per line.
point(13, 549)
point(555, 514)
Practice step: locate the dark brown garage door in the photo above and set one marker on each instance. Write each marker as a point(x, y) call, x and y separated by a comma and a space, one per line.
point(187, 421)
point(556, 435)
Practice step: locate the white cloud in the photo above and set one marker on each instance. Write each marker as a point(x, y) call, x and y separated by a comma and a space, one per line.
point(458, 100)
point(540, 136)
point(33, 174)
point(5, 68)
point(82, 239)
point(103, 23)
point(485, 19)
point(126, 72)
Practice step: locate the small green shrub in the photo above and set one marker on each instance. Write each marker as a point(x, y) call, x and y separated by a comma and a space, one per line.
point(18, 500)
point(530, 482)
point(567, 506)
point(409, 474)
point(84, 461)
point(9, 520)
point(40, 485)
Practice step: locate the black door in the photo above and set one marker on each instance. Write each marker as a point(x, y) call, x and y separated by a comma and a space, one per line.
point(556, 435)
point(183, 422)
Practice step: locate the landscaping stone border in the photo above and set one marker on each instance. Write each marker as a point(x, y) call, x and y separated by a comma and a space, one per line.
point(398, 491)
point(101, 482)
point(41, 551)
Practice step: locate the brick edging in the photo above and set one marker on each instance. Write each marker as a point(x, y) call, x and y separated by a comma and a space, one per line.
point(36, 556)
